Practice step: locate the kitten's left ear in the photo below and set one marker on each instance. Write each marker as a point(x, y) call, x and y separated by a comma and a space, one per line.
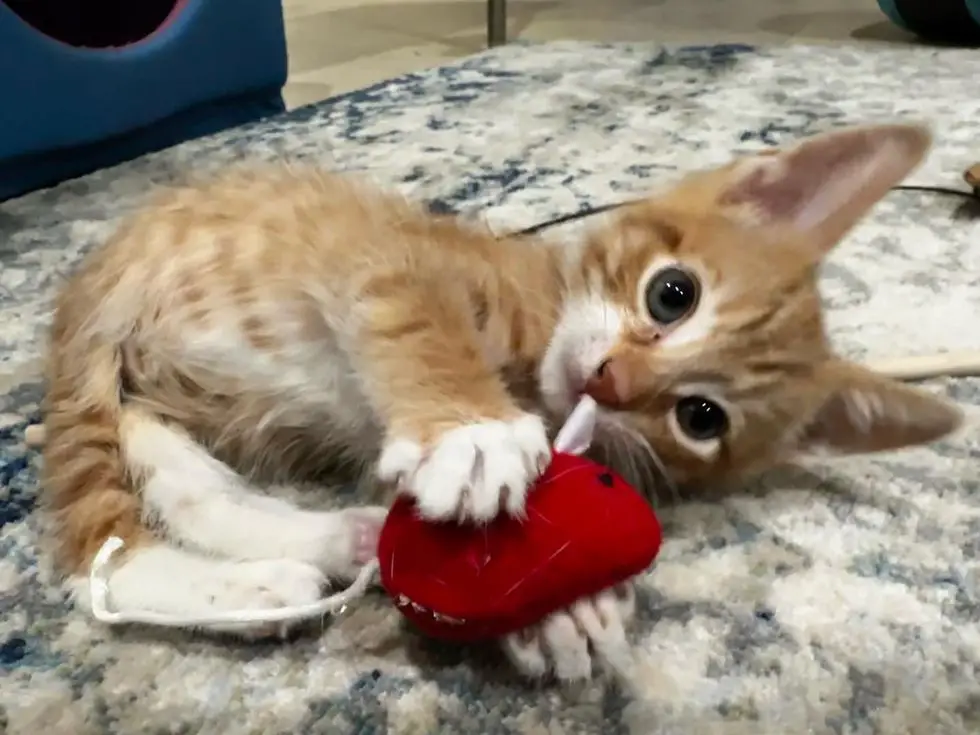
point(863, 412)
point(824, 185)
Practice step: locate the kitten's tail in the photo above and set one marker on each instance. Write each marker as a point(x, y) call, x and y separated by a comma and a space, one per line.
point(86, 484)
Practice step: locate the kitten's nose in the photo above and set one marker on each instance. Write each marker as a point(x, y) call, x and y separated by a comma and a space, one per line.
point(602, 385)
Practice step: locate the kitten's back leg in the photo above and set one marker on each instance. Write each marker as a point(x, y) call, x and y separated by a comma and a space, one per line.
point(203, 503)
point(273, 555)
point(103, 464)
point(166, 580)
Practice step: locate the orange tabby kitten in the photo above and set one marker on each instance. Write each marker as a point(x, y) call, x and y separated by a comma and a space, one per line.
point(261, 327)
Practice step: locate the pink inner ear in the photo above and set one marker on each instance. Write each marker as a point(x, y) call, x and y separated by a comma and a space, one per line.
point(767, 187)
point(826, 183)
point(807, 185)
point(575, 436)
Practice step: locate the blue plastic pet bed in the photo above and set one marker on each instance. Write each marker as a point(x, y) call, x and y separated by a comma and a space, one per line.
point(944, 21)
point(90, 83)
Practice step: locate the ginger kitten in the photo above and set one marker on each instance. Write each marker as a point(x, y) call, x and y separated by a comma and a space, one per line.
point(262, 327)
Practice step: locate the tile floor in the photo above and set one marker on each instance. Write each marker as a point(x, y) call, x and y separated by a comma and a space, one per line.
point(339, 45)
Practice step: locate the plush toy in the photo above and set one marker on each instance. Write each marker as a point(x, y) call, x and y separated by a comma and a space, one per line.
point(584, 531)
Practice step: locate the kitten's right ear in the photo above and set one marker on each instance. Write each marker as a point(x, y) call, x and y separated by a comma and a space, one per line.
point(864, 412)
point(824, 185)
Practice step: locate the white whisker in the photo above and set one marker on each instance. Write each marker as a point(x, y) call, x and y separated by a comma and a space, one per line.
point(632, 455)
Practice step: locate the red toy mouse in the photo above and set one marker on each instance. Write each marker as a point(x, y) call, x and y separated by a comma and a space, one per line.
point(584, 531)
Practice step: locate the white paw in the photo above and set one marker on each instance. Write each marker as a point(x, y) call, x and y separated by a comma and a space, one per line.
point(264, 585)
point(338, 542)
point(567, 644)
point(182, 585)
point(267, 583)
point(470, 472)
point(344, 541)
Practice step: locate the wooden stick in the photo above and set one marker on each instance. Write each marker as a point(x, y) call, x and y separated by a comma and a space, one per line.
point(34, 435)
point(920, 367)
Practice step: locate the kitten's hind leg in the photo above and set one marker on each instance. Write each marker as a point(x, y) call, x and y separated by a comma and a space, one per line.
point(202, 503)
point(158, 578)
point(455, 439)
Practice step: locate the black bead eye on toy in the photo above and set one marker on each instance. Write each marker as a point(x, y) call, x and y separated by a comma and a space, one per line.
point(671, 295)
point(605, 479)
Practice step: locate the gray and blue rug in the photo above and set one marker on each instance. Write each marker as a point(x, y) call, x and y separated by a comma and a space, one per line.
point(843, 597)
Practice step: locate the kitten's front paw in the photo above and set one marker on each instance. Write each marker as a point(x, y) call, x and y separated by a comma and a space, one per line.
point(472, 471)
point(567, 643)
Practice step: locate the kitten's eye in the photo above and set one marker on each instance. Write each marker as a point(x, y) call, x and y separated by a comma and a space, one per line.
point(701, 419)
point(671, 294)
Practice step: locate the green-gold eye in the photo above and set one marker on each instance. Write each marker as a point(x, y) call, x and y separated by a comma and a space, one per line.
point(671, 295)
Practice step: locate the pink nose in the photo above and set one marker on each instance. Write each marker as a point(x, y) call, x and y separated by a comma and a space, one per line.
point(602, 384)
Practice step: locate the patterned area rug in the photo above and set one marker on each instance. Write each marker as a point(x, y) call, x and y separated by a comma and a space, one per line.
point(843, 597)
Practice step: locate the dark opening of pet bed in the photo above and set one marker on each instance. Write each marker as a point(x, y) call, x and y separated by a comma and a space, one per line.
point(94, 23)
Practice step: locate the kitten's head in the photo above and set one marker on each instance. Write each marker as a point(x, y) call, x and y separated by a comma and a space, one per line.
point(695, 320)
